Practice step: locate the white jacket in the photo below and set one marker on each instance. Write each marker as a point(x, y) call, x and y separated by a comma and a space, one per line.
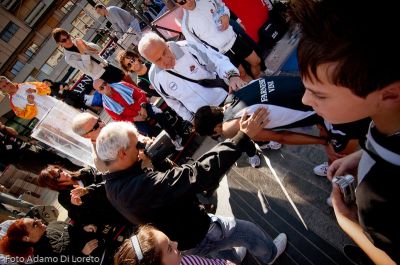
point(201, 25)
point(84, 63)
point(195, 62)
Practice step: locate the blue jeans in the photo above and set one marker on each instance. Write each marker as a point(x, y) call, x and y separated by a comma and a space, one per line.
point(227, 232)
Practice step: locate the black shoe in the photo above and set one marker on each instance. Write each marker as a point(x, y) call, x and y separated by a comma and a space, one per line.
point(356, 255)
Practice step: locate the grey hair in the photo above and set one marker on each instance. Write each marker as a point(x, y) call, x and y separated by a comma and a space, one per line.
point(79, 121)
point(112, 138)
point(146, 41)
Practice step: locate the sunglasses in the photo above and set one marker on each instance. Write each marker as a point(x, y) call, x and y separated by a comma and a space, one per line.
point(57, 174)
point(103, 86)
point(131, 61)
point(65, 39)
point(181, 2)
point(95, 127)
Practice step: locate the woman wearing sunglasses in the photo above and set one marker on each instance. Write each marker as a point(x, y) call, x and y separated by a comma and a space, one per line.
point(85, 56)
point(132, 63)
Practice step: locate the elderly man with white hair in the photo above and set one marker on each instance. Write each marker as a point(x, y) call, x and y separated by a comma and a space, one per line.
point(188, 75)
point(168, 199)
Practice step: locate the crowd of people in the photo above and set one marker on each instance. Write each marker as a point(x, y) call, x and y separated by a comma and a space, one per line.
point(130, 210)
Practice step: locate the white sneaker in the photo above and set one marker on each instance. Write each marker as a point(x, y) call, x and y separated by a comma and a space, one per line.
point(177, 143)
point(280, 243)
point(255, 161)
point(321, 170)
point(329, 201)
point(270, 146)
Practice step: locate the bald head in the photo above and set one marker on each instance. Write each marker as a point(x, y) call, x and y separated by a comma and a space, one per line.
point(156, 50)
point(102, 86)
point(84, 125)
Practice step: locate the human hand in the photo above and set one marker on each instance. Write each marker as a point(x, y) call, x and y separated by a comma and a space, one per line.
point(255, 123)
point(224, 22)
point(31, 99)
point(77, 193)
point(331, 153)
point(90, 246)
point(90, 228)
point(342, 210)
point(81, 45)
point(345, 165)
point(235, 83)
point(146, 161)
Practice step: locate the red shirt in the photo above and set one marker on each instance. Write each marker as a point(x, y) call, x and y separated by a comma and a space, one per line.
point(130, 111)
point(252, 13)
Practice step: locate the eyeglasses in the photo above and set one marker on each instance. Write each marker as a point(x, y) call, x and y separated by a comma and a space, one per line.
point(131, 61)
point(95, 127)
point(103, 86)
point(181, 2)
point(57, 174)
point(65, 39)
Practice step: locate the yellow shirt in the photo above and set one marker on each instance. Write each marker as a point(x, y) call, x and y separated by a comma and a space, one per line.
point(42, 102)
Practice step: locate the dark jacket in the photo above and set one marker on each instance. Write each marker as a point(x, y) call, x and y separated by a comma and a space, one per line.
point(95, 208)
point(168, 199)
point(62, 239)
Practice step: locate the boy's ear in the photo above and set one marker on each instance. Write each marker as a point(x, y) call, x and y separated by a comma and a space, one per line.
point(391, 93)
point(25, 239)
point(218, 129)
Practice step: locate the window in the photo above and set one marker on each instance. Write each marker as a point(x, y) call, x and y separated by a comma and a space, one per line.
point(10, 5)
point(47, 69)
point(52, 62)
point(82, 22)
point(9, 31)
point(31, 50)
point(17, 67)
point(35, 14)
point(89, 9)
point(67, 7)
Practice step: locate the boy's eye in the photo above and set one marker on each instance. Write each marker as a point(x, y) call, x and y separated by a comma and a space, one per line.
point(319, 97)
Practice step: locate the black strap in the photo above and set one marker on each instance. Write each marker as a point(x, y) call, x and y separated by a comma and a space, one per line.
point(204, 42)
point(173, 98)
point(217, 82)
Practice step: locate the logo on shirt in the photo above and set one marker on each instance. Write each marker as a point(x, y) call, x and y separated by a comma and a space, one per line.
point(192, 68)
point(173, 86)
point(265, 88)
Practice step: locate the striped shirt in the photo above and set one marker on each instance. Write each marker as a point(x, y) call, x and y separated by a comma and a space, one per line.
point(196, 260)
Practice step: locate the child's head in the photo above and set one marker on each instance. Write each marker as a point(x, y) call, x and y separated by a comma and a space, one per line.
point(148, 247)
point(348, 59)
point(208, 121)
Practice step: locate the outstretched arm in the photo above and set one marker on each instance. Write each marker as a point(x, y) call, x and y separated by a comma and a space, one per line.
point(230, 128)
point(347, 219)
point(288, 137)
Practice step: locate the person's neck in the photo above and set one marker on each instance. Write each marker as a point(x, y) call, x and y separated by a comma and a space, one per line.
point(388, 122)
point(142, 70)
point(120, 166)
